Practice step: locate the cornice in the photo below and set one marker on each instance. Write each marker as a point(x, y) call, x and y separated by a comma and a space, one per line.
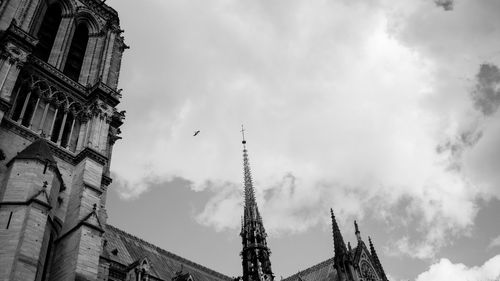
point(95, 189)
point(19, 36)
point(88, 152)
point(105, 93)
point(57, 75)
point(106, 180)
point(4, 105)
point(45, 205)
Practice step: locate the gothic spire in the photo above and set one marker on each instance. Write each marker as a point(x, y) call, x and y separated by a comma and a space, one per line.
point(378, 265)
point(255, 253)
point(249, 190)
point(357, 233)
point(338, 242)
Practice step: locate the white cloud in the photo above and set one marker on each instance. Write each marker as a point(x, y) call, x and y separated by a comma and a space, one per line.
point(495, 242)
point(446, 270)
point(344, 104)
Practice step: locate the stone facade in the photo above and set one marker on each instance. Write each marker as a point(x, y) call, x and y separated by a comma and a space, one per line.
point(59, 70)
point(59, 66)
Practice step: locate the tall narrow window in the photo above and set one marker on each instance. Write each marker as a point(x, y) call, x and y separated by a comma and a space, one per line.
point(57, 125)
point(76, 53)
point(22, 93)
point(29, 109)
point(8, 221)
point(48, 32)
point(67, 129)
point(75, 133)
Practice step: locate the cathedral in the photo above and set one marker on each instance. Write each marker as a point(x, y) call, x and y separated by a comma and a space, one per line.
point(59, 68)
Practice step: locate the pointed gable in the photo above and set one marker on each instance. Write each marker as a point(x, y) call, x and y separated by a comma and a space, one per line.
point(39, 150)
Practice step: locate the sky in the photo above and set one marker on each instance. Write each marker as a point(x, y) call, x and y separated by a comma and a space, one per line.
point(386, 111)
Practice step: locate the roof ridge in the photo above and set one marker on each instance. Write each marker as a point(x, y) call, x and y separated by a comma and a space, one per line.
point(178, 258)
point(309, 269)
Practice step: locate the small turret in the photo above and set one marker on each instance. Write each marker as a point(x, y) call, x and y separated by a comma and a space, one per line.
point(339, 245)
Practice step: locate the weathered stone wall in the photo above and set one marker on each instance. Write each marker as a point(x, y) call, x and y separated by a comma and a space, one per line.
point(26, 228)
point(9, 238)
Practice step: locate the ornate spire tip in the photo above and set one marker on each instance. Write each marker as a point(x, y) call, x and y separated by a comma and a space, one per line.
point(243, 135)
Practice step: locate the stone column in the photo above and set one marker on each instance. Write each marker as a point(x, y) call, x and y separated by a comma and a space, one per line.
point(103, 135)
point(27, 17)
point(92, 54)
point(8, 9)
point(108, 54)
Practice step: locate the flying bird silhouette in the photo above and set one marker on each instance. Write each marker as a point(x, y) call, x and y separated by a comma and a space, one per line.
point(196, 133)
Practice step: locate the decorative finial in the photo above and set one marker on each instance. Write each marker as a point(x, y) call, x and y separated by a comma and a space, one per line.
point(243, 136)
point(358, 234)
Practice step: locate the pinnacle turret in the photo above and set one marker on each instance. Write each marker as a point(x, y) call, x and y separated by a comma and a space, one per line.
point(338, 243)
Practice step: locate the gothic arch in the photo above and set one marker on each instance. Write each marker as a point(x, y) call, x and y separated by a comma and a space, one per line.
point(68, 7)
point(84, 15)
point(368, 272)
point(60, 99)
point(42, 88)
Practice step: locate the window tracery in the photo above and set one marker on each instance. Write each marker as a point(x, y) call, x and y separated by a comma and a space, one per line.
point(367, 272)
point(49, 112)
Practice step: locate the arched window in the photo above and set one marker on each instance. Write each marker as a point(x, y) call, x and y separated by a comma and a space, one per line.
point(48, 31)
point(23, 91)
point(76, 53)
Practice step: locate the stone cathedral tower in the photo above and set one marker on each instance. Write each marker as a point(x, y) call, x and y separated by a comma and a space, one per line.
point(59, 67)
point(255, 253)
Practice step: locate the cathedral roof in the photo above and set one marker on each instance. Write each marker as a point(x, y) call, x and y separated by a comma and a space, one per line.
point(124, 248)
point(323, 271)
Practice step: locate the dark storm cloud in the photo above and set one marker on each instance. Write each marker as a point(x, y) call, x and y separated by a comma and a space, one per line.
point(447, 5)
point(486, 94)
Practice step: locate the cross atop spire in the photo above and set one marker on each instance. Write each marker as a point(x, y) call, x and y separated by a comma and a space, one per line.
point(243, 136)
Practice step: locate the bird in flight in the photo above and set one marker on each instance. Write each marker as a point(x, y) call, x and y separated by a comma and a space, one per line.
point(196, 133)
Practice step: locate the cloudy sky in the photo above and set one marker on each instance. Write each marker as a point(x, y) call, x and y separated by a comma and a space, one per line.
point(386, 111)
